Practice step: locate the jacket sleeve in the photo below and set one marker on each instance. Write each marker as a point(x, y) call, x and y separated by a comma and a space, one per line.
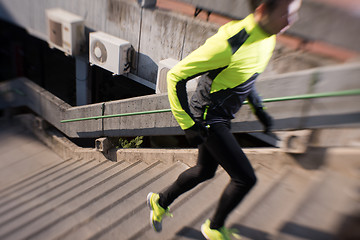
point(259, 110)
point(214, 54)
point(255, 100)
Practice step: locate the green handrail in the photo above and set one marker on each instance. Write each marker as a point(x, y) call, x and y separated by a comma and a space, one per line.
point(277, 99)
point(116, 115)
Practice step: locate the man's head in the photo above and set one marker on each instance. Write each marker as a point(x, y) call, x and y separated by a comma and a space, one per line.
point(275, 16)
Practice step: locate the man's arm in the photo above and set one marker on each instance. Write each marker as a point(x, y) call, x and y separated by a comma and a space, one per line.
point(259, 110)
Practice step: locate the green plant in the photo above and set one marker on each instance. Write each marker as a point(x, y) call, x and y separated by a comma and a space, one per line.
point(133, 143)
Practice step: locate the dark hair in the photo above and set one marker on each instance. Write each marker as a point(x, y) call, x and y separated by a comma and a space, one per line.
point(270, 4)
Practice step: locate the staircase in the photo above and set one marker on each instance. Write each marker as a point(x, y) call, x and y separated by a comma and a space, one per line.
point(53, 198)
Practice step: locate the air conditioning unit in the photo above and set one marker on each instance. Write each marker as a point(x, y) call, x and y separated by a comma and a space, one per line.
point(109, 52)
point(163, 68)
point(65, 31)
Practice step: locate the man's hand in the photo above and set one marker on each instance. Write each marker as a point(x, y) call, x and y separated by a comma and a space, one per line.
point(267, 121)
point(196, 134)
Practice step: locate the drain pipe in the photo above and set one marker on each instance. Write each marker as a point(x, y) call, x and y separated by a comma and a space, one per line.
point(83, 94)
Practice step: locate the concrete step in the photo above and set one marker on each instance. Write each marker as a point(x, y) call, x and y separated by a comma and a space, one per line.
point(280, 201)
point(250, 218)
point(326, 210)
point(45, 188)
point(109, 221)
point(21, 154)
point(47, 203)
point(93, 199)
point(266, 181)
point(185, 209)
point(81, 209)
point(9, 153)
point(26, 167)
point(29, 181)
point(80, 212)
point(75, 200)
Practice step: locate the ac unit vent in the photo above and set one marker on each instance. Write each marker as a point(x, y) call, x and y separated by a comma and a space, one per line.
point(99, 51)
point(110, 53)
point(56, 33)
point(65, 31)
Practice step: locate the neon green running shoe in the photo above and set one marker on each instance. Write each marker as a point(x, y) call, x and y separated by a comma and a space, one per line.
point(156, 211)
point(218, 234)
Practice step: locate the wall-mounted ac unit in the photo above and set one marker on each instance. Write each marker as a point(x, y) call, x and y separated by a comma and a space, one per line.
point(65, 31)
point(109, 52)
point(163, 68)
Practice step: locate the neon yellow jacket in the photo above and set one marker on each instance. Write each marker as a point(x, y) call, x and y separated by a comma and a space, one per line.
point(229, 63)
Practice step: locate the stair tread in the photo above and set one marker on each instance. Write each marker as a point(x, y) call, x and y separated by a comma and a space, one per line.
point(21, 153)
point(78, 204)
point(22, 185)
point(43, 190)
point(265, 181)
point(143, 229)
point(279, 203)
point(44, 205)
point(124, 208)
point(332, 199)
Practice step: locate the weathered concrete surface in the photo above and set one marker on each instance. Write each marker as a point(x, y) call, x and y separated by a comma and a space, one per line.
point(122, 19)
point(162, 37)
point(21, 153)
point(288, 115)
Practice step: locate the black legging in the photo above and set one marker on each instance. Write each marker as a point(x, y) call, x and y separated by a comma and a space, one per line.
point(221, 148)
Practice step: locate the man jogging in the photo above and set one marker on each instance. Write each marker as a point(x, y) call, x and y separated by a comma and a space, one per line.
point(228, 62)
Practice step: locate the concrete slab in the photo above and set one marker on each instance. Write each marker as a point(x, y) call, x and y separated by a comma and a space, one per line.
point(324, 210)
point(159, 30)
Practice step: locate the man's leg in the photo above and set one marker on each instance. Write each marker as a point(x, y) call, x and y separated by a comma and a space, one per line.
point(204, 169)
point(225, 149)
point(158, 203)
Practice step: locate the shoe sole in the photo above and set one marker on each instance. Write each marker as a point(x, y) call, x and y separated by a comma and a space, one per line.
point(148, 198)
point(203, 232)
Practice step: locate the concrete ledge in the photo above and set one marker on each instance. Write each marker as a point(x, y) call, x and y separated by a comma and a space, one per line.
point(168, 156)
point(272, 158)
point(340, 159)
